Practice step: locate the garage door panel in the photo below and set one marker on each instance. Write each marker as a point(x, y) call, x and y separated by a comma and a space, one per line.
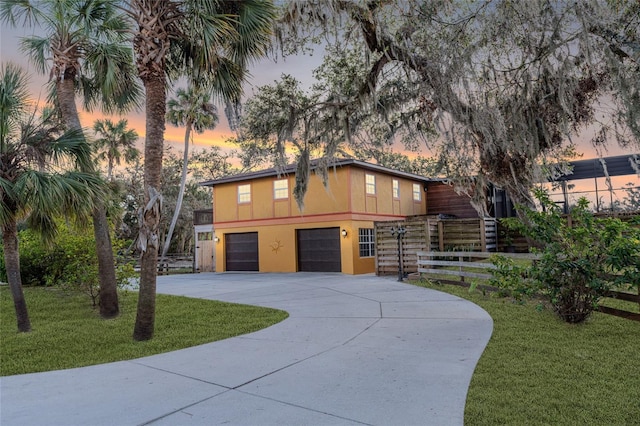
point(241, 252)
point(319, 250)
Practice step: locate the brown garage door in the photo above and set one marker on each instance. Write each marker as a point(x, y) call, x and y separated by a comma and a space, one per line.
point(241, 252)
point(319, 250)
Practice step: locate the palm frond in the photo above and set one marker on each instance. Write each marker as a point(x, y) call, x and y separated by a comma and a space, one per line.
point(37, 49)
point(13, 100)
point(16, 11)
point(193, 107)
point(255, 31)
point(52, 195)
point(9, 201)
point(110, 79)
point(226, 82)
point(71, 146)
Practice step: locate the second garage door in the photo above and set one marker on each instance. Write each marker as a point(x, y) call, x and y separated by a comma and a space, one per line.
point(241, 252)
point(319, 250)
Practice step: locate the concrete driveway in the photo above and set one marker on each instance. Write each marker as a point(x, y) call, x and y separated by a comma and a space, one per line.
point(354, 350)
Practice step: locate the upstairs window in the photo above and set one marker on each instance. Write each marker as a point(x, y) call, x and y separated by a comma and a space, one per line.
point(366, 242)
point(244, 194)
point(396, 188)
point(281, 189)
point(370, 181)
point(417, 192)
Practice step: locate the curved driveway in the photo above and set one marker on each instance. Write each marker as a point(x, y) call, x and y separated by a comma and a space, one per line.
point(354, 350)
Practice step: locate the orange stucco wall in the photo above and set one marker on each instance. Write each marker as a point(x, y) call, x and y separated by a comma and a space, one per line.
point(343, 204)
point(277, 249)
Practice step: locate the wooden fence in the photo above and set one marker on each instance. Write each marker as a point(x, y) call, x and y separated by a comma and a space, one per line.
point(513, 241)
point(172, 262)
point(416, 238)
point(619, 312)
point(427, 233)
point(466, 234)
point(432, 262)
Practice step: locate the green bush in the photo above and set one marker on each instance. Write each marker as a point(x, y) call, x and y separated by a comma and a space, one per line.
point(35, 259)
point(511, 278)
point(582, 258)
point(69, 262)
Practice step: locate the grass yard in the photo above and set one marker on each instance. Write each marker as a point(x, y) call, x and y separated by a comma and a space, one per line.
point(538, 370)
point(67, 332)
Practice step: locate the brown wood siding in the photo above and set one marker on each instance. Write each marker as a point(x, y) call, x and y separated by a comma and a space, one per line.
point(442, 199)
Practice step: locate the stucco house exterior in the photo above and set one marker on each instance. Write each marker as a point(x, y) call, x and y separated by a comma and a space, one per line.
point(259, 227)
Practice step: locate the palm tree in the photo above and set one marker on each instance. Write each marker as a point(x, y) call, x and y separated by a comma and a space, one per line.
point(33, 184)
point(85, 41)
point(210, 38)
point(191, 109)
point(115, 142)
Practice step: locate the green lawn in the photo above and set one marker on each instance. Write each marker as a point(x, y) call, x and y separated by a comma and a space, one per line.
point(68, 333)
point(538, 370)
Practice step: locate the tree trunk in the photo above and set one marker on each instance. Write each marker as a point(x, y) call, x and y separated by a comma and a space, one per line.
point(148, 240)
point(183, 183)
point(12, 264)
point(108, 296)
point(109, 306)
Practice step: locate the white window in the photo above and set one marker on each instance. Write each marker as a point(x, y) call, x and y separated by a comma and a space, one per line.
point(366, 242)
point(417, 193)
point(396, 188)
point(244, 193)
point(370, 184)
point(281, 189)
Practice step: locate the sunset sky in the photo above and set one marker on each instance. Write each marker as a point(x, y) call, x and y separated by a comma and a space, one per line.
point(264, 72)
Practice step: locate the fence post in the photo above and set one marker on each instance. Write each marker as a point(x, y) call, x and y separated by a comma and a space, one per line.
point(483, 235)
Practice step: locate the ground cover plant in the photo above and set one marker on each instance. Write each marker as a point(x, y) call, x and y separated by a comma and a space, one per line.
point(538, 369)
point(67, 332)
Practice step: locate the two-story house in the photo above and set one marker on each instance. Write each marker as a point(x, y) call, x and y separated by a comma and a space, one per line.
point(259, 227)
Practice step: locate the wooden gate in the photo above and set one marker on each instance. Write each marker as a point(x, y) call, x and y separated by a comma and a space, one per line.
point(205, 256)
point(429, 233)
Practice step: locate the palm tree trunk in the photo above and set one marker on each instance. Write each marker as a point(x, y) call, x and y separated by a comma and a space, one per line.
point(148, 240)
point(108, 296)
point(183, 183)
point(109, 307)
point(12, 264)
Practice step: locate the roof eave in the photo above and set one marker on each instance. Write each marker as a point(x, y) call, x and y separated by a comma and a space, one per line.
point(291, 168)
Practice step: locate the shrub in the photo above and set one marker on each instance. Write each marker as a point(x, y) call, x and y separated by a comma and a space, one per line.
point(511, 278)
point(69, 262)
point(35, 259)
point(583, 257)
point(75, 263)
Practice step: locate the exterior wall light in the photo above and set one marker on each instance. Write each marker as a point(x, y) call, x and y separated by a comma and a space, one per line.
point(344, 233)
point(216, 239)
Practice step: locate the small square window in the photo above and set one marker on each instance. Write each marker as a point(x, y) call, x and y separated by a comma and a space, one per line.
point(366, 242)
point(244, 193)
point(417, 192)
point(370, 184)
point(281, 189)
point(396, 188)
point(205, 236)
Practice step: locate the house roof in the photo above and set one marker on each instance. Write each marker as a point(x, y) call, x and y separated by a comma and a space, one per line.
point(291, 169)
point(620, 165)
